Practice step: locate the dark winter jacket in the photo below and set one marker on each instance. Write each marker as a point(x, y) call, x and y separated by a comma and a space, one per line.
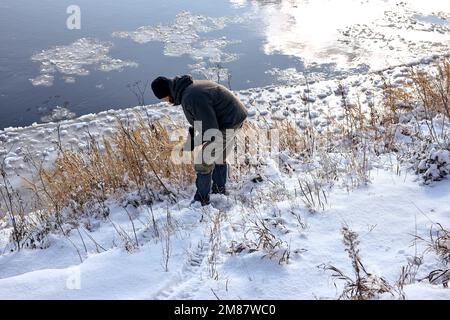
point(206, 101)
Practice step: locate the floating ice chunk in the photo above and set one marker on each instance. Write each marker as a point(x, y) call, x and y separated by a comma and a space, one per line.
point(215, 73)
point(71, 60)
point(184, 29)
point(293, 76)
point(212, 50)
point(58, 114)
point(116, 64)
point(47, 67)
point(45, 80)
point(69, 79)
point(289, 75)
point(183, 37)
point(238, 3)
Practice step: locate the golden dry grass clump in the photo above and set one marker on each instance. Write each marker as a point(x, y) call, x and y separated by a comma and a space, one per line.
point(431, 90)
point(139, 157)
point(131, 158)
point(280, 135)
point(290, 137)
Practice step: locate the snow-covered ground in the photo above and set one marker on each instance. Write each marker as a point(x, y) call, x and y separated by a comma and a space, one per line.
point(386, 214)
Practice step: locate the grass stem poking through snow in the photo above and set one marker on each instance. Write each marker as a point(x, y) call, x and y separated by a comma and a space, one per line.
point(363, 285)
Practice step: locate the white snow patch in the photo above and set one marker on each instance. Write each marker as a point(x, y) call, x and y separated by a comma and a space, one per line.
point(384, 214)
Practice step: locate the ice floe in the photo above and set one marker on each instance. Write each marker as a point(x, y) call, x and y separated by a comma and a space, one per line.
point(211, 72)
point(238, 3)
point(73, 59)
point(45, 80)
point(58, 114)
point(182, 37)
point(294, 76)
point(185, 29)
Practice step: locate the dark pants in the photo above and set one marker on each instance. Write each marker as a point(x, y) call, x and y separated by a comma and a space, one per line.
point(213, 168)
point(203, 182)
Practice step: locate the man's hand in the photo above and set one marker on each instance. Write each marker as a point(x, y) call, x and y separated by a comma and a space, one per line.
point(189, 145)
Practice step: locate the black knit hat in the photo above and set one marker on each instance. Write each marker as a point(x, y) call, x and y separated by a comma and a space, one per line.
point(161, 87)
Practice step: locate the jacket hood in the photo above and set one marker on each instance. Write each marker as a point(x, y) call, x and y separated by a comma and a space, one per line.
point(177, 87)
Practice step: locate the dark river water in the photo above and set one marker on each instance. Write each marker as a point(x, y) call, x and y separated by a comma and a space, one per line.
point(27, 27)
point(50, 69)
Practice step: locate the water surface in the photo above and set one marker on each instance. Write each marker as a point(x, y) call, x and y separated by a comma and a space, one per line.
point(49, 72)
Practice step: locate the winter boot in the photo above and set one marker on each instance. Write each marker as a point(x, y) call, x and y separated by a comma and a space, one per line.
point(203, 184)
point(219, 190)
point(219, 177)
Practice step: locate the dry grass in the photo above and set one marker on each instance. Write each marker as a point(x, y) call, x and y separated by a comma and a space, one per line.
point(264, 237)
point(425, 95)
point(14, 208)
point(439, 276)
point(408, 275)
point(284, 135)
point(396, 100)
point(430, 90)
point(28, 231)
point(439, 242)
point(214, 245)
point(312, 194)
point(259, 141)
point(291, 139)
point(433, 90)
point(260, 237)
point(132, 158)
point(364, 285)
